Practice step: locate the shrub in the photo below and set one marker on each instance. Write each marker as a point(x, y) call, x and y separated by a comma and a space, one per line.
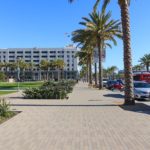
point(50, 90)
point(2, 76)
point(4, 108)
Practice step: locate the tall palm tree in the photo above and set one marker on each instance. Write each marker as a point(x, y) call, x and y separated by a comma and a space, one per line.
point(85, 59)
point(87, 45)
point(31, 66)
point(58, 65)
point(145, 60)
point(44, 65)
point(101, 28)
point(124, 7)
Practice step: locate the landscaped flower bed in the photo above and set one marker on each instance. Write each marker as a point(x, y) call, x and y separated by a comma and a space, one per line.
point(50, 90)
point(5, 112)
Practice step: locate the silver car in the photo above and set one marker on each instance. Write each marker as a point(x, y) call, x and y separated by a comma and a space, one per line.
point(141, 90)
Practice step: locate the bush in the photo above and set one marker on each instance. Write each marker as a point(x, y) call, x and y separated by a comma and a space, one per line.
point(4, 108)
point(2, 76)
point(50, 90)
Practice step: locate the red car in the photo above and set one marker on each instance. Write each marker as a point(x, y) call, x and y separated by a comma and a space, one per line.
point(113, 84)
point(118, 86)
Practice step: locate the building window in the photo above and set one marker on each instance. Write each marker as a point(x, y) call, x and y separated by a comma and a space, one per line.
point(44, 56)
point(52, 56)
point(27, 56)
point(52, 52)
point(44, 52)
point(61, 56)
point(20, 52)
point(36, 56)
point(36, 52)
point(28, 52)
point(11, 52)
point(11, 56)
point(27, 60)
point(35, 60)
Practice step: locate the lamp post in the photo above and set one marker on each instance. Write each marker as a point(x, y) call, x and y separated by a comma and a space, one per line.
point(18, 72)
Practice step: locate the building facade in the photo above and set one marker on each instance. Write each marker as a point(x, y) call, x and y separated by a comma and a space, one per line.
point(35, 55)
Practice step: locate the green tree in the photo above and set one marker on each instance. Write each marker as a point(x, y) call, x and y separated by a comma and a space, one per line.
point(31, 66)
point(124, 7)
point(145, 60)
point(59, 66)
point(44, 65)
point(100, 27)
point(137, 67)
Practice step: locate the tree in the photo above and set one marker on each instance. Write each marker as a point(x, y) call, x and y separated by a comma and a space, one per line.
point(124, 7)
point(87, 45)
point(102, 28)
point(145, 60)
point(85, 60)
point(44, 65)
point(31, 66)
point(137, 67)
point(59, 65)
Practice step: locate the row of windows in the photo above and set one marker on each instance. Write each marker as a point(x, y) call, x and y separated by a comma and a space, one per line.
point(37, 52)
point(37, 56)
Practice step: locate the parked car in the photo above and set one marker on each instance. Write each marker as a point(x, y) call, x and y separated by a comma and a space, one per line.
point(141, 90)
point(105, 82)
point(114, 84)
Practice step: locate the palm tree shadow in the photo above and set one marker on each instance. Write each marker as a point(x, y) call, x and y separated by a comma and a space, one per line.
point(138, 108)
point(114, 95)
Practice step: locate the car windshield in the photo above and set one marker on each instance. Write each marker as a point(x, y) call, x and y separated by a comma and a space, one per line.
point(141, 85)
point(105, 80)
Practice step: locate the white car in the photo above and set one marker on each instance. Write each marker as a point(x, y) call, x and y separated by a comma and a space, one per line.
point(141, 90)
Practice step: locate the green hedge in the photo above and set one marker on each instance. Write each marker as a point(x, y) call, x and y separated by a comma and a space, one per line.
point(50, 90)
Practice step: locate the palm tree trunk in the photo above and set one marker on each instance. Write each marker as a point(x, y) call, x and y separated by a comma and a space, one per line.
point(147, 67)
point(99, 43)
point(129, 100)
point(95, 74)
point(90, 70)
point(87, 74)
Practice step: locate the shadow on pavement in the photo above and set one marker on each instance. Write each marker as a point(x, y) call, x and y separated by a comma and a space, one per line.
point(138, 107)
point(75, 105)
point(114, 95)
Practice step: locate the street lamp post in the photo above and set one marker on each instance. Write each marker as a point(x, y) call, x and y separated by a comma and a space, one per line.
point(18, 72)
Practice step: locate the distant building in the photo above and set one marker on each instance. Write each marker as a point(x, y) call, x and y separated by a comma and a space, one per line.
point(35, 55)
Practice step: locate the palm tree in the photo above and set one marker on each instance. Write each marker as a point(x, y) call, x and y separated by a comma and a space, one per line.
point(31, 66)
point(112, 70)
point(59, 64)
point(100, 27)
point(44, 65)
point(82, 37)
point(85, 59)
point(124, 7)
point(137, 67)
point(145, 60)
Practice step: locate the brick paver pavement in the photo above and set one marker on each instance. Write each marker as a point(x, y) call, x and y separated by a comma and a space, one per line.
point(89, 120)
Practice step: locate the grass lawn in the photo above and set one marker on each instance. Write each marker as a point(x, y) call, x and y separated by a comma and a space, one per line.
point(6, 92)
point(22, 85)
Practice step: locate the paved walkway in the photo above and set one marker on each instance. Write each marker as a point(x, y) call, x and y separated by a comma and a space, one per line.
point(89, 120)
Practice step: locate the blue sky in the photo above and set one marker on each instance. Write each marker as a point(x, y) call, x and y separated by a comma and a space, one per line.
point(43, 23)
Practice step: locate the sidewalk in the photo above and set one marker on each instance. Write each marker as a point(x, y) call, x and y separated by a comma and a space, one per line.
point(89, 120)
